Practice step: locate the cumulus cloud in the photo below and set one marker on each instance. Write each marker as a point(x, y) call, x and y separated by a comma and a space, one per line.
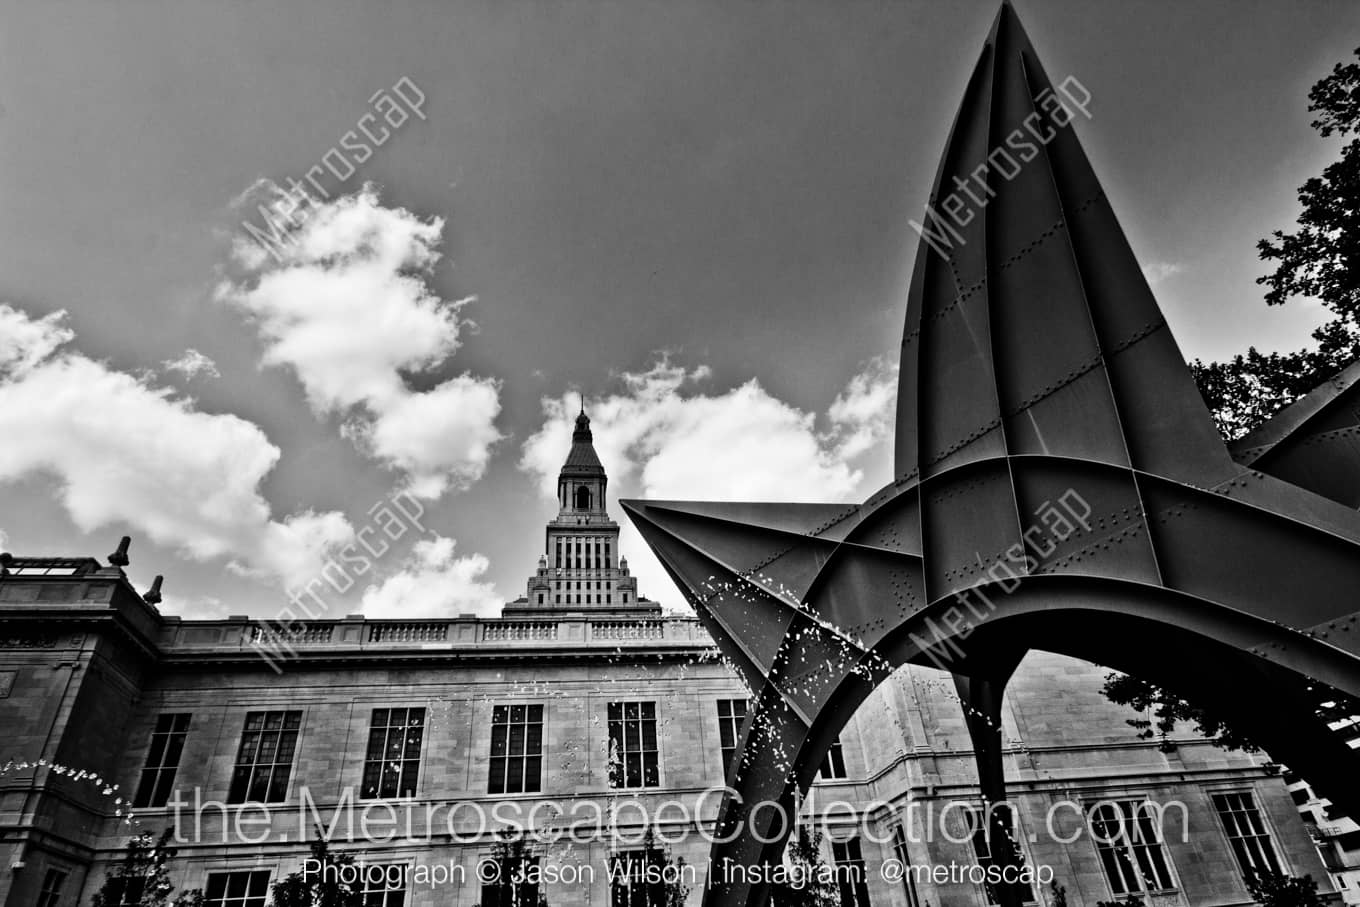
point(25, 341)
point(127, 453)
point(1158, 271)
point(433, 582)
point(863, 413)
point(663, 436)
point(345, 304)
point(192, 364)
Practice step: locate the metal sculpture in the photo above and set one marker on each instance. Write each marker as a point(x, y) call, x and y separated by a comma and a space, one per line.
point(1060, 486)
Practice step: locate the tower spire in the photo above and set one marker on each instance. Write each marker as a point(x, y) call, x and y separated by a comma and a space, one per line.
point(581, 569)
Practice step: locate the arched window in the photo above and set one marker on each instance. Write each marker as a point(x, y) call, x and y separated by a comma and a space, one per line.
point(582, 498)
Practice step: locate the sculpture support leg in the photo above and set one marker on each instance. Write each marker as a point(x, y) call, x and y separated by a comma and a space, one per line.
point(981, 698)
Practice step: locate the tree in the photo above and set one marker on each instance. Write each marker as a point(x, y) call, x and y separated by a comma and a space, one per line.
point(648, 877)
point(515, 883)
point(1128, 900)
point(1168, 710)
point(1320, 260)
point(810, 882)
point(1271, 889)
point(142, 879)
point(325, 887)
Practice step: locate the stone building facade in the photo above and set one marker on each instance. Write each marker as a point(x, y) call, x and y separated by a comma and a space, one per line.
point(416, 741)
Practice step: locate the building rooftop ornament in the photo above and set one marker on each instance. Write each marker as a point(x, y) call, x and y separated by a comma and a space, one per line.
point(1059, 485)
point(119, 558)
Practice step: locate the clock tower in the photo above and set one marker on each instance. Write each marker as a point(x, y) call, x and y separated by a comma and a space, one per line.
point(581, 569)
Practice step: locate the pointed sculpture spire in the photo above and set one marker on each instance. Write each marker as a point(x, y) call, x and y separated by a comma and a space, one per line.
point(1059, 485)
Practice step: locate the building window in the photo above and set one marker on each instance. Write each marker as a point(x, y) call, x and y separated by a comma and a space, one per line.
point(582, 498)
point(633, 757)
point(903, 856)
point(247, 888)
point(392, 762)
point(1130, 846)
point(631, 885)
point(265, 757)
point(730, 715)
point(833, 766)
point(162, 759)
point(50, 894)
point(980, 835)
point(516, 749)
point(516, 884)
point(850, 875)
point(383, 886)
point(1247, 833)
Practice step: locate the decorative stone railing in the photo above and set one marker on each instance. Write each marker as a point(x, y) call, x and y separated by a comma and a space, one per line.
point(627, 629)
point(405, 632)
point(355, 633)
point(506, 631)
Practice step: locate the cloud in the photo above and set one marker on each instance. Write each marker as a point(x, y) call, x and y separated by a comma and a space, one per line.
point(434, 583)
point(1158, 271)
point(864, 413)
point(345, 304)
point(192, 364)
point(25, 341)
point(4, 540)
point(127, 453)
point(663, 436)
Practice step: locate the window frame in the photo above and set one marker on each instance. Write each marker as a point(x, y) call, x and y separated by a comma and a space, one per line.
point(853, 891)
point(833, 763)
point(1130, 850)
point(275, 784)
point(370, 896)
point(729, 725)
point(650, 895)
point(506, 891)
point(532, 728)
point(903, 855)
point(378, 761)
point(980, 832)
point(155, 781)
point(247, 899)
point(648, 759)
point(49, 894)
point(1274, 857)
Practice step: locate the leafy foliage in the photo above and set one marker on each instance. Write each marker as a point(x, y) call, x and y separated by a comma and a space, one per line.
point(810, 883)
point(1272, 889)
point(514, 858)
point(323, 888)
point(1167, 711)
point(1246, 390)
point(142, 879)
point(1320, 260)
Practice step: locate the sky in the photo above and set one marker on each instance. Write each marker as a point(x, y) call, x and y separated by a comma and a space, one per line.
point(694, 214)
